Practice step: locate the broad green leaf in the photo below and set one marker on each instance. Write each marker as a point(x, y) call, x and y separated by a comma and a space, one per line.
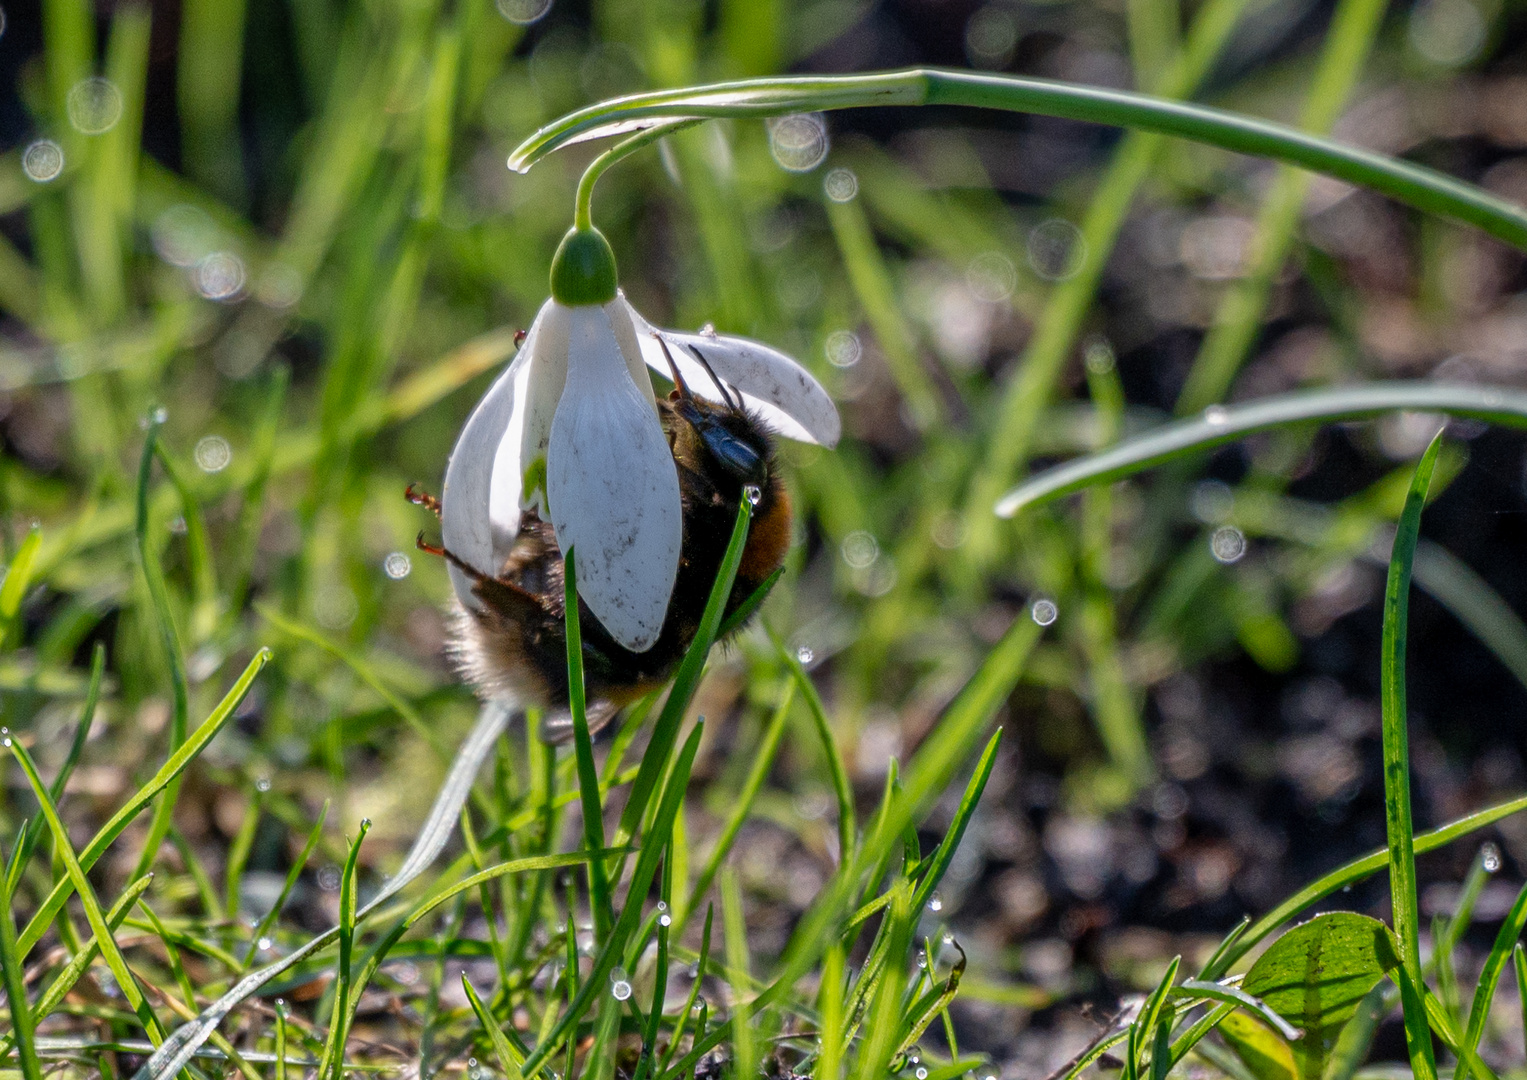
point(1260, 1048)
point(1314, 976)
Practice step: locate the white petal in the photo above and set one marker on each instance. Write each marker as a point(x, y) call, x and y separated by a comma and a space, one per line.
point(528, 439)
point(785, 394)
point(467, 497)
point(623, 319)
point(613, 487)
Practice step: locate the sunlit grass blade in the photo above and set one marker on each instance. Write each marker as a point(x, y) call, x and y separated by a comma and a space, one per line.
point(763, 761)
point(694, 994)
point(654, 843)
point(843, 790)
point(944, 854)
point(64, 851)
point(172, 768)
point(81, 961)
point(1234, 995)
point(666, 731)
point(292, 874)
point(583, 752)
point(1222, 424)
point(1506, 943)
point(18, 575)
point(334, 1052)
point(1402, 855)
point(829, 1063)
point(22, 1019)
point(882, 1028)
point(180, 1047)
point(509, 1058)
point(1142, 1031)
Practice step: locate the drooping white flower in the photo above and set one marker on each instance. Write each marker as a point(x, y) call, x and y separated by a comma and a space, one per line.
point(571, 429)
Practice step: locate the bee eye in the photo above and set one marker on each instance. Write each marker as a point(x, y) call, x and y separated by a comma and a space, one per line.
point(735, 455)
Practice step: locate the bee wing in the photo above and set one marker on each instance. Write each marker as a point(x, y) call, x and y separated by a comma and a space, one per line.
point(613, 486)
point(469, 496)
point(781, 391)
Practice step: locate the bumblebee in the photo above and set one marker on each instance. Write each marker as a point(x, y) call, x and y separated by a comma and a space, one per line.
point(515, 644)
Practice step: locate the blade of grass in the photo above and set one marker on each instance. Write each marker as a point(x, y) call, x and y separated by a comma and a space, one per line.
point(180, 1047)
point(583, 752)
point(1495, 965)
point(18, 575)
point(153, 574)
point(744, 1047)
point(829, 1063)
point(666, 731)
point(843, 790)
point(142, 797)
point(22, 1019)
point(290, 883)
point(944, 854)
point(763, 761)
point(509, 1058)
point(694, 994)
point(64, 851)
point(333, 1059)
point(1222, 424)
point(653, 846)
point(1402, 855)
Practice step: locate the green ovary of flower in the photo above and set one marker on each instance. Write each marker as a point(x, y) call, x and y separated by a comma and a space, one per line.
point(583, 269)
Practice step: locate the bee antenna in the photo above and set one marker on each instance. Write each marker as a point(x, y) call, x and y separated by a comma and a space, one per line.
point(735, 406)
point(673, 368)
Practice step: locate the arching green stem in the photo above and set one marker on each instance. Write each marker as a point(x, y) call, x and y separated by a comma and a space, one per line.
point(1420, 187)
point(582, 212)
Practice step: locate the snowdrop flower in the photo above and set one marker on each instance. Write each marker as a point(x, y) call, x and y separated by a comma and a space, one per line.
point(571, 430)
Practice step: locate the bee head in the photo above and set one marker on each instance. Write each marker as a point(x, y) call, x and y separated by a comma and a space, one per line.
point(727, 434)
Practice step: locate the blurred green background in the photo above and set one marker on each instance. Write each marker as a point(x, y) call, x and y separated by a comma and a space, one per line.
point(290, 227)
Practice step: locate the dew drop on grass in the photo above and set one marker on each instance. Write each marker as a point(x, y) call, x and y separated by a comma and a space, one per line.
point(1489, 858)
point(213, 454)
point(264, 944)
point(523, 12)
point(620, 986)
point(935, 902)
point(1044, 612)
point(922, 1072)
point(397, 566)
point(860, 549)
point(94, 106)
point(1216, 415)
point(798, 142)
point(805, 654)
point(709, 330)
point(665, 920)
point(220, 276)
point(753, 493)
point(262, 784)
point(1056, 249)
point(43, 160)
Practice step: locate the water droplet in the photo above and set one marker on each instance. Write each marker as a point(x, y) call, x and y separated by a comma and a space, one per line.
point(1056, 249)
point(43, 160)
point(922, 962)
point(1098, 355)
point(753, 493)
point(665, 920)
point(262, 784)
point(1216, 415)
point(1489, 858)
point(94, 106)
point(328, 878)
point(264, 944)
point(805, 654)
point(6, 742)
point(1227, 544)
point(798, 142)
point(709, 330)
point(220, 276)
point(948, 937)
point(1044, 612)
point(335, 606)
point(860, 549)
point(843, 348)
point(935, 902)
point(213, 453)
point(922, 1073)
point(523, 12)
point(950, 531)
point(915, 1054)
point(397, 566)
point(841, 185)
point(991, 277)
point(991, 35)
point(620, 986)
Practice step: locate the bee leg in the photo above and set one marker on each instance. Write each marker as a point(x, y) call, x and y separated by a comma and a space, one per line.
point(419, 497)
point(503, 596)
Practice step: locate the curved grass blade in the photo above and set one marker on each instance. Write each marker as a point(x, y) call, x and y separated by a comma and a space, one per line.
point(142, 797)
point(1227, 423)
point(1489, 978)
point(944, 854)
point(1396, 746)
point(64, 851)
point(1197, 989)
point(23, 1020)
point(1416, 185)
point(583, 754)
point(18, 575)
point(763, 761)
point(183, 1044)
point(508, 1056)
point(842, 789)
